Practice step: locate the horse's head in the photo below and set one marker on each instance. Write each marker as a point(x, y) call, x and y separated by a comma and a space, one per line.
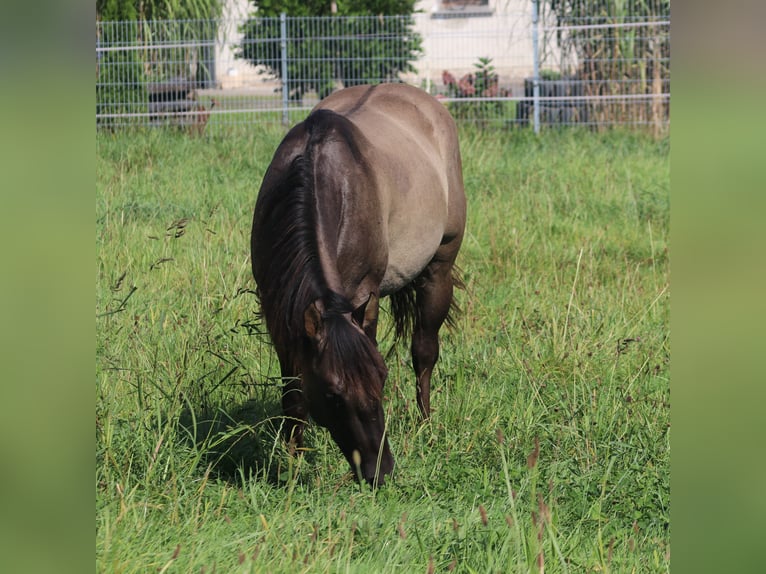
point(343, 377)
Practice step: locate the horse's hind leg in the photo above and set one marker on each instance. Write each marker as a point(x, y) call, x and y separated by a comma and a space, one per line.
point(433, 298)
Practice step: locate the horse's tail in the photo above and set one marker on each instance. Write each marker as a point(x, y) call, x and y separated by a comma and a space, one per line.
point(454, 306)
point(405, 311)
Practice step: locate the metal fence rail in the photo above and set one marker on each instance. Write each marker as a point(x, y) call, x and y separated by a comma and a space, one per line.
point(529, 67)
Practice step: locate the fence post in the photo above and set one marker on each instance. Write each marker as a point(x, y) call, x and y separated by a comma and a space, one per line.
point(285, 75)
point(535, 65)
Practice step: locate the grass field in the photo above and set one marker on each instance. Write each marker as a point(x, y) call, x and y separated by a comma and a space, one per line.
point(549, 440)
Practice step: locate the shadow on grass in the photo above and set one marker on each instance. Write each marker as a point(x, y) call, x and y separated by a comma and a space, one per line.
point(238, 442)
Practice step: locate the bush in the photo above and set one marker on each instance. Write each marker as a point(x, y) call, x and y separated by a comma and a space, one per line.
point(324, 53)
point(484, 83)
point(122, 75)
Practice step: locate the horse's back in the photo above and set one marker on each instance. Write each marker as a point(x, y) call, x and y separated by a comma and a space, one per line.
point(411, 142)
point(397, 117)
point(400, 103)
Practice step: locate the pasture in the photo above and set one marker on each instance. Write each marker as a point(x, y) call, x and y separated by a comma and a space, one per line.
point(549, 439)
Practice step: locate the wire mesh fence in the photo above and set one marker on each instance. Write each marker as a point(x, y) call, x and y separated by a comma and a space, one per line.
point(552, 63)
point(606, 62)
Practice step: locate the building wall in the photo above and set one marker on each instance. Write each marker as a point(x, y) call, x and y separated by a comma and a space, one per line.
point(234, 73)
point(454, 39)
point(455, 35)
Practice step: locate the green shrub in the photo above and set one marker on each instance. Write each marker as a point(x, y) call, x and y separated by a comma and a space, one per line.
point(325, 52)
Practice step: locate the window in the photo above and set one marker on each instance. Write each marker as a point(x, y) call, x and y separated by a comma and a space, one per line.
point(461, 8)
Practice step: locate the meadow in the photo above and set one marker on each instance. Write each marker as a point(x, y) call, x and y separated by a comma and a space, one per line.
point(548, 448)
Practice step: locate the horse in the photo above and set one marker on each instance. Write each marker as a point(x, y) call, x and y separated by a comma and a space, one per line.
point(363, 199)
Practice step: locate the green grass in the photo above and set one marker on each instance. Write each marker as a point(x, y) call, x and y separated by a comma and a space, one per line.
point(563, 342)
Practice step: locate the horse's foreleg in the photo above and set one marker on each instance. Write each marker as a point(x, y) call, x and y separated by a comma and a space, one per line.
point(433, 297)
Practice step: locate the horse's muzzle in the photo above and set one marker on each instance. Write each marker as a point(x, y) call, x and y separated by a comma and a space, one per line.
point(375, 474)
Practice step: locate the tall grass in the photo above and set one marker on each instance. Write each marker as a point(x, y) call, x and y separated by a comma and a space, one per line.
point(549, 443)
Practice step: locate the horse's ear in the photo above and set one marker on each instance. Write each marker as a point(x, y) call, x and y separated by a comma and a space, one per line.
point(366, 315)
point(312, 318)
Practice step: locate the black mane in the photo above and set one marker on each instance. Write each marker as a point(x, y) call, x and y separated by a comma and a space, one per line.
point(285, 258)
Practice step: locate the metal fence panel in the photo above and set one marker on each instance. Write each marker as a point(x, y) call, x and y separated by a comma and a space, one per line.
point(594, 68)
point(606, 63)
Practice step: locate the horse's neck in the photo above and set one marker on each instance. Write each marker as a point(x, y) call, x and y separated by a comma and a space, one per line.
point(349, 233)
point(343, 246)
point(328, 261)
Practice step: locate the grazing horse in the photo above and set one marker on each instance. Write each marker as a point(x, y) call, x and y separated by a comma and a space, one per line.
point(362, 200)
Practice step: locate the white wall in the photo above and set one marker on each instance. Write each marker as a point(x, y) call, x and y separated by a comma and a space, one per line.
point(234, 73)
point(456, 43)
point(452, 44)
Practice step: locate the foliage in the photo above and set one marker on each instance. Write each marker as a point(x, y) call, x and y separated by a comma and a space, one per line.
point(123, 74)
point(342, 8)
point(484, 83)
point(563, 343)
point(589, 45)
point(146, 10)
point(125, 93)
point(638, 57)
point(550, 75)
point(360, 43)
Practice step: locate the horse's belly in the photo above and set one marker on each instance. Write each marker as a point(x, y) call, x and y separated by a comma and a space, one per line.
point(406, 260)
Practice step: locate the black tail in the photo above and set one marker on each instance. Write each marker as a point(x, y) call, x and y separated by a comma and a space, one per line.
point(404, 312)
point(404, 307)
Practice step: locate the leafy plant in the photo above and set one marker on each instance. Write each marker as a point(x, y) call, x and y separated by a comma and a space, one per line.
point(613, 60)
point(483, 83)
point(363, 41)
point(147, 10)
point(548, 75)
point(122, 75)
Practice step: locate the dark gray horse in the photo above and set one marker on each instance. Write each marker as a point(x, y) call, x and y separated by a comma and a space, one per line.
point(362, 200)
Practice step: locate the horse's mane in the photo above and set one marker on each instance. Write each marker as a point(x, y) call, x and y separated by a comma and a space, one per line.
point(289, 276)
point(285, 255)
